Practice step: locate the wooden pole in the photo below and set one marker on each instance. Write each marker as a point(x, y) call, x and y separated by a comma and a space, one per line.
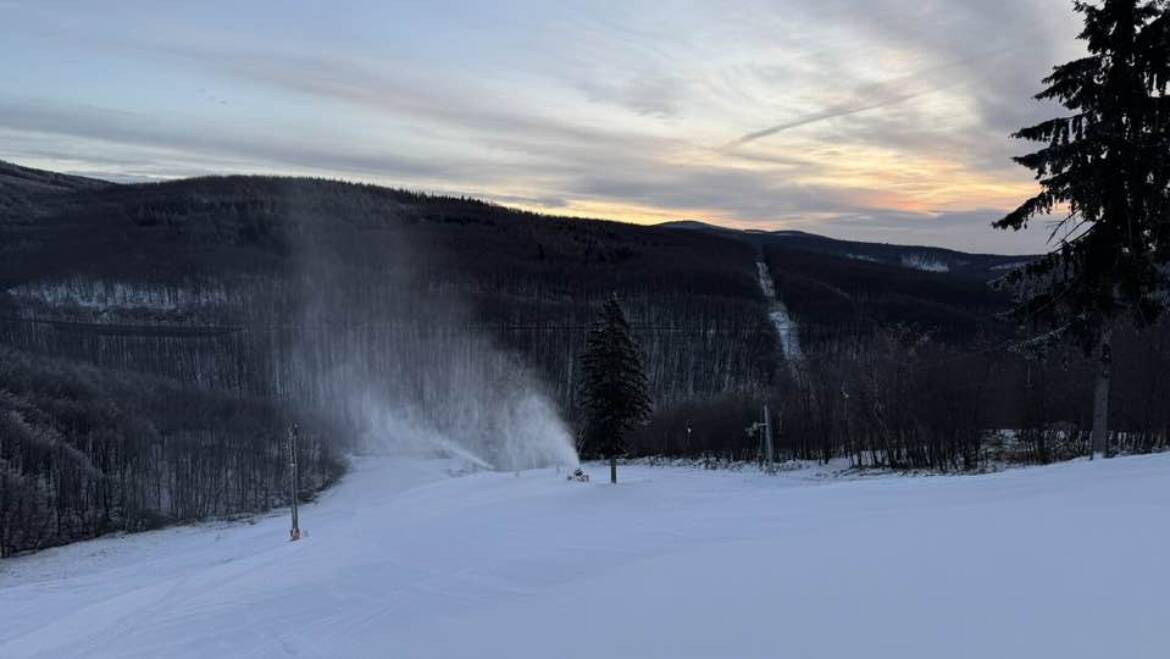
point(768, 450)
point(294, 533)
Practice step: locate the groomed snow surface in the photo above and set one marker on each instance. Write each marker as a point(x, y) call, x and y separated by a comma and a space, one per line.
point(403, 560)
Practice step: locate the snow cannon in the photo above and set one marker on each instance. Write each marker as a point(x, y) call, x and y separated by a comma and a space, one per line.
point(579, 476)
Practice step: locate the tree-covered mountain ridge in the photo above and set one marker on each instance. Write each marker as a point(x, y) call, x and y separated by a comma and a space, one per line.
point(159, 337)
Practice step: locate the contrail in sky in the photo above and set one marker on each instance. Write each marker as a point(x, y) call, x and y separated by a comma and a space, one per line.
point(869, 97)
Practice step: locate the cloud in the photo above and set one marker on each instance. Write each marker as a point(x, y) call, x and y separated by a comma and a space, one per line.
point(547, 202)
point(578, 108)
point(656, 95)
point(191, 138)
point(455, 109)
point(868, 97)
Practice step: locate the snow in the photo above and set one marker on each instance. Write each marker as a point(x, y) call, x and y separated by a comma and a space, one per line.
point(405, 560)
point(863, 257)
point(106, 295)
point(785, 324)
point(924, 263)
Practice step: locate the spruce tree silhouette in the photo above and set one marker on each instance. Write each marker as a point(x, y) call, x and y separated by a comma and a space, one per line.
point(614, 389)
point(1106, 170)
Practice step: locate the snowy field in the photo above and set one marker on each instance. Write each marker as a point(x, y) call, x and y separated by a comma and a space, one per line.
point(403, 560)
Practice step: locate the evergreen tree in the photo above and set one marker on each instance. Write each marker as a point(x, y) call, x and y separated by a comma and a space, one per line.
point(614, 391)
point(1105, 168)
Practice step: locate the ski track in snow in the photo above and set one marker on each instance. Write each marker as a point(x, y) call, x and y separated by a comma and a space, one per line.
point(403, 560)
point(786, 327)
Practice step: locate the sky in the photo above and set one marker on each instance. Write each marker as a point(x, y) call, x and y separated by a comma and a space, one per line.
point(882, 120)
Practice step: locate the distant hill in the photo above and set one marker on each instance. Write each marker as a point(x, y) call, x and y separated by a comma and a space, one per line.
point(21, 187)
point(928, 259)
point(203, 280)
point(695, 225)
point(18, 181)
point(247, 237)
point(834, 287)
point(248, 252)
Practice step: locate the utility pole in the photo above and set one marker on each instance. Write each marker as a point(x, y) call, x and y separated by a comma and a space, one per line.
point(294, 533)
point(769, 452)
point(848, 436)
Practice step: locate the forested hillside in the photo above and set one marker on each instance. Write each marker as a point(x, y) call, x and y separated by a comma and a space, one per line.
point(836, 294)
point(343, 302)
point(86, 450)
point(184, 325)
point(178, 277)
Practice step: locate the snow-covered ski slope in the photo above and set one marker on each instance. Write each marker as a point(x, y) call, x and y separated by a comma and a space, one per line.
point(405, 561)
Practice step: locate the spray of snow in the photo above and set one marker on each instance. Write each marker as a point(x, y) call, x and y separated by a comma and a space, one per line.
point(407, 369)
point(505, 428)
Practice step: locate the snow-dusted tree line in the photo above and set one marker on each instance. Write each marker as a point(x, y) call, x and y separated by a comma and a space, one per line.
point(87, 450)
point(899, 397)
